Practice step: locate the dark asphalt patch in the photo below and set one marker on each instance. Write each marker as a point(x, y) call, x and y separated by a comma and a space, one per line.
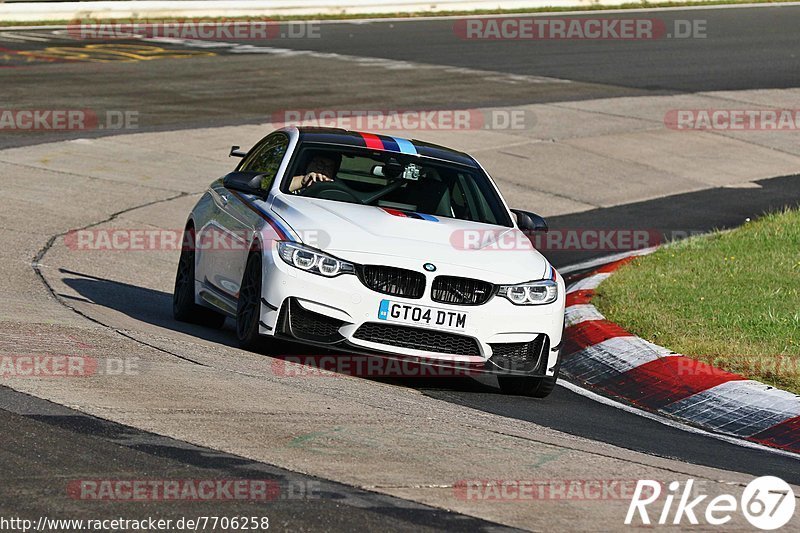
point(47, 448)
point(574, 414)
point(248, 88)
point(743, 48)
point(682, 214)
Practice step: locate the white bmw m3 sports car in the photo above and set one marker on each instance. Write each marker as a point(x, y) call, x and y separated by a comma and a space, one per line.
point(371, 244)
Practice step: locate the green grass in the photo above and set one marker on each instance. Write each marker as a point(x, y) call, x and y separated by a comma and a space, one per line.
point(554, 9)
point(731, 299)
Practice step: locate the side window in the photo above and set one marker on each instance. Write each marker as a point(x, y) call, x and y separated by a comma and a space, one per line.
point(481, 195)
point(469, 202)
point(458, 200)
point(463, 199)
point(267, 158)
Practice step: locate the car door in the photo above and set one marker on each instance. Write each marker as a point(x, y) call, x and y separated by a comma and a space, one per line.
point(239, 219)
point(217, 241)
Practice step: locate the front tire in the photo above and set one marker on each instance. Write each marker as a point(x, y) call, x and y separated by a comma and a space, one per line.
point(248, 308)
point(533, 386)
point(184, 308)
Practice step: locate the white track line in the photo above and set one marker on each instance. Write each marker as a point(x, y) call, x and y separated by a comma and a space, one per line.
point(588, 283)
point(378, 62)
point(604, 260)
point(16, 37)
point(669, 422)
point(740, 407)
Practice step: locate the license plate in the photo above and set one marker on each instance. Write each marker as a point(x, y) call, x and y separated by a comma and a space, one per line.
point(420, 314)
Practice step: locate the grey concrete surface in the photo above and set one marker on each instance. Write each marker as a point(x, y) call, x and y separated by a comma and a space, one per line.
point(743, 48)
point(596, 152)
point(101, 450)
point(192, 385)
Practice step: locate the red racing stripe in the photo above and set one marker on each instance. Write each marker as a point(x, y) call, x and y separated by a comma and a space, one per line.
point(785, 435)
point(589, 333)
point(373, 141)
point(665, 380)
point(395, 212)
point(278, 231)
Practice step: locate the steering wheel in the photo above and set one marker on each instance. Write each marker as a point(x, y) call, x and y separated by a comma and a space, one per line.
point(331, 190)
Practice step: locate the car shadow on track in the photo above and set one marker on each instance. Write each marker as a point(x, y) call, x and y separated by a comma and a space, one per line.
point(664, 219)
point(140, 303)
point(154, 307)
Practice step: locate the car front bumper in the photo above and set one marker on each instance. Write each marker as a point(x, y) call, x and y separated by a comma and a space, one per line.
point(342, 312)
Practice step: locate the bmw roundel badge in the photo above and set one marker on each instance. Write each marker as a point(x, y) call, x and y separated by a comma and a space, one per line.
point(430, 267)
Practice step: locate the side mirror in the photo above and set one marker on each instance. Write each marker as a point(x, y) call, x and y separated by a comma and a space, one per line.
point(527, 221)
point(235, 152)
point(247, 182)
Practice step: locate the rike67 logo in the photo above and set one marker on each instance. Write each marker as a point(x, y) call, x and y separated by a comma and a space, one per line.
point(767, 503)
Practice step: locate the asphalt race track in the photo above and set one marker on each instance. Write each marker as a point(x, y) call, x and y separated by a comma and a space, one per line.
point(737, 52)
point(182, 86)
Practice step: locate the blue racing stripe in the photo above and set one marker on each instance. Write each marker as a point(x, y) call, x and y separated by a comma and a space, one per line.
point(390, 144)
point(405, 146)
point(286, 231)
point(282, 232)
point(427, 217)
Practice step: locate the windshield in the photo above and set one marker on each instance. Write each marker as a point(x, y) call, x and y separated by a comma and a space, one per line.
point(395, 181)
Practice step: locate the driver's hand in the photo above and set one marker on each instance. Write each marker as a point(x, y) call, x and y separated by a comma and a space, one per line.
point(314, 177)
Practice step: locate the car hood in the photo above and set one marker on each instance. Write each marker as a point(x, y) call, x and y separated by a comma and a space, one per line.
point(356, 232)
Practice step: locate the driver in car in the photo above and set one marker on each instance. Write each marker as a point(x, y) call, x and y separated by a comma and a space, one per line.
point(320, 168)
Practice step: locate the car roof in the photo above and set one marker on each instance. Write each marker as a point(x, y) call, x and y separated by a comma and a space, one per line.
point(384, 142)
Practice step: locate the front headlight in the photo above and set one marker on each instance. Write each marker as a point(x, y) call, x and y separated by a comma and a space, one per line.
point(531, 293)
point(312, 260)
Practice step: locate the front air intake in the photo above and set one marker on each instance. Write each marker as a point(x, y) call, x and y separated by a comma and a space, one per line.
point(392, 281)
